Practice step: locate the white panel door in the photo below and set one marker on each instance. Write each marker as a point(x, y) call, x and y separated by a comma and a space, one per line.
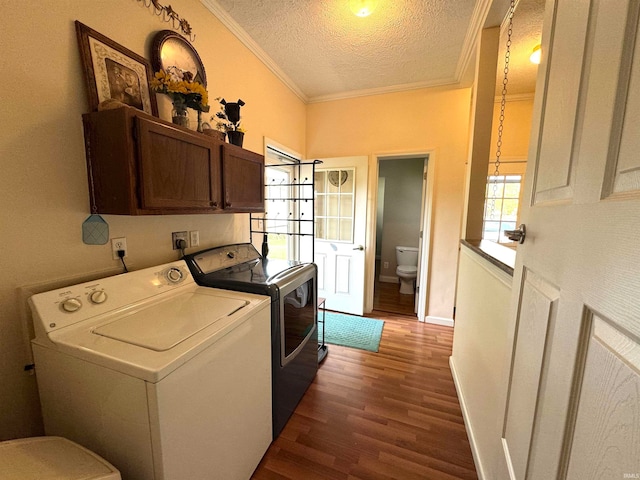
point(573, 392)
point(340, 221)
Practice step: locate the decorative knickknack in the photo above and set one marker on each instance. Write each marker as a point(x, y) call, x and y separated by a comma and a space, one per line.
point(232, 111)
point(184, 93)
point(236, 137)
point(228, 120)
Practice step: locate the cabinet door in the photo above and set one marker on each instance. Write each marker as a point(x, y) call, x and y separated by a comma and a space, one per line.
point(177, 170)
point(243, 179)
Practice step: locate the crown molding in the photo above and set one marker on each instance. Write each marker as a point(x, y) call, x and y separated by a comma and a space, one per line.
point(516, 97)
point(505, 21)
point(476, 24)
point(382, 90)
point(214, 7)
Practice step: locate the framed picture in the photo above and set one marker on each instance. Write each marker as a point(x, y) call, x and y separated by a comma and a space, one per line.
point(113, 71)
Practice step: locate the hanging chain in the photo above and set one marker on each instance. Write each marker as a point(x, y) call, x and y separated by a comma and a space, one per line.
point(503, 102)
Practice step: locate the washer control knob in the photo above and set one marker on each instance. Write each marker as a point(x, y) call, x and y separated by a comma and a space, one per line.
point(174, 275)
point(98, 297)
point(71, 305)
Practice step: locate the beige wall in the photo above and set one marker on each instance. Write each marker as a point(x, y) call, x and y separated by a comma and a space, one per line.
point(517, 129)
point(43, 177)
point(413, 121)
point(478, 360)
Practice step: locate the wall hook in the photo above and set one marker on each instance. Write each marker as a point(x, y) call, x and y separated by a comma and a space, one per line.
point(169, 15)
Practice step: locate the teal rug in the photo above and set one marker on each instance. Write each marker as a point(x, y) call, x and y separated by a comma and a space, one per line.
point(351, 331)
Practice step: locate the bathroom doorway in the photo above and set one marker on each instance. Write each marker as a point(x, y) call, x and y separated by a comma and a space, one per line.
point(399, 220)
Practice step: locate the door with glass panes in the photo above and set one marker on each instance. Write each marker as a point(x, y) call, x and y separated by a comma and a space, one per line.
point(340, 219)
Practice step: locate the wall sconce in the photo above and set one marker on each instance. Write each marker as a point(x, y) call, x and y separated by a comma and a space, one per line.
point(363, 8)
point(536, 55)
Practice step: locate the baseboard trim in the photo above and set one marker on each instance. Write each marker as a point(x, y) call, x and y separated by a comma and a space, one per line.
point(447, 322)
point(467, 422)
point(388, 279)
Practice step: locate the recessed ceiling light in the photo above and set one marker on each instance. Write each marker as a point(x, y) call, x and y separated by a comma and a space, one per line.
point(536, 55)
point(363, 8)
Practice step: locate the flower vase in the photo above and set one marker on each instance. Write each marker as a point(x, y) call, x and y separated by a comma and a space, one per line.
point(235, 137)
point(179, 115)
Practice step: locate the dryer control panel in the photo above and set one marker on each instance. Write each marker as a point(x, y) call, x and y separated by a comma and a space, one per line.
point(228, 256)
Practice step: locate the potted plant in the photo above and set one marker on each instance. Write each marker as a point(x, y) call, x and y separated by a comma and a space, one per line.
point(185, 93)
point(228, 120)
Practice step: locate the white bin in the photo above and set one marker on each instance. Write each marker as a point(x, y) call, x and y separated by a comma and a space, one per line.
point(52, 458)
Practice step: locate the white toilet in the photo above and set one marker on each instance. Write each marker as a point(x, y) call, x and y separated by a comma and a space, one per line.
point(407, 271)
point(52, 458)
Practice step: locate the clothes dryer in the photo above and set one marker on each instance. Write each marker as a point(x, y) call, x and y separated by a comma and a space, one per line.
point(292, 288)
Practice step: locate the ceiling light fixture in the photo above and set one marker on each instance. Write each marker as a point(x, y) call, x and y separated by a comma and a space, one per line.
point(363, 8)
point(536, 55)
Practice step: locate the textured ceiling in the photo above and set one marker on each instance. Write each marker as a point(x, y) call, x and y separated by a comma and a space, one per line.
point(323, 51)
point(527, 28)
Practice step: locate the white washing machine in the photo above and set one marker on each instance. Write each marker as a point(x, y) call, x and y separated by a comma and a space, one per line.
point(164, 379)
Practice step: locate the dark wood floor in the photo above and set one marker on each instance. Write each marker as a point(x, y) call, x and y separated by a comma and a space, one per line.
point(387, 298)
point(387, 415)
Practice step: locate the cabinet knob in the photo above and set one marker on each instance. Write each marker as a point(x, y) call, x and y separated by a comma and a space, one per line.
point(228, 204)
point(214, 204)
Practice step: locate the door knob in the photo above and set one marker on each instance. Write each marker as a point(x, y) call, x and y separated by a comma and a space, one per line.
point(517, 235)
point(359, 247)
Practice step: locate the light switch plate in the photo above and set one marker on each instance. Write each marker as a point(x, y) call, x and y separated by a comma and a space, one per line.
point(194, 238)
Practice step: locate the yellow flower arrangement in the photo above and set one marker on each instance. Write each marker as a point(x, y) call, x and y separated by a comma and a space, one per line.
point(181, 88)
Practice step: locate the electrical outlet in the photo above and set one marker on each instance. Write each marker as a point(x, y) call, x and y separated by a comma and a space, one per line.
point(194, 238)
point(385, 265)
point(118, 244)
point(175, 236)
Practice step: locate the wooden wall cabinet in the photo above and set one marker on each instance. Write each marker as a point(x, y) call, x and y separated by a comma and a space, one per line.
point(140, 165)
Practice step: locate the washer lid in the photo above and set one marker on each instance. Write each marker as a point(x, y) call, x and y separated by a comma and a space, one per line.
point(52, 458)
point(164, 325)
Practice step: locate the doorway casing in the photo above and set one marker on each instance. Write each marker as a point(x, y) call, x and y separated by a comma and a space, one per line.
point(424, 261)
